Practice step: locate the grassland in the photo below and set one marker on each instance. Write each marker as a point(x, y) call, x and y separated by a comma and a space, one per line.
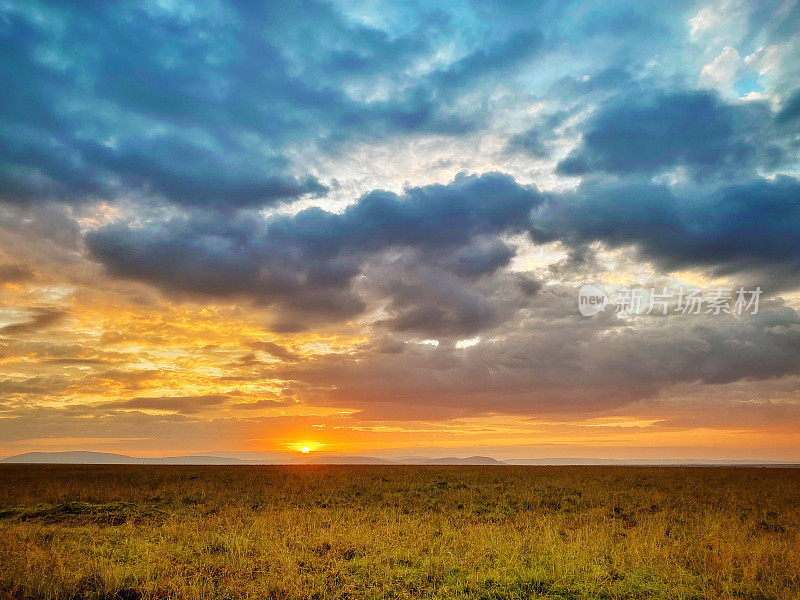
point(340, 532)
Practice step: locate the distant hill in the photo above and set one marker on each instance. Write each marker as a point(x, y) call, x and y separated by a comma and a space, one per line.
point(98, 458)
point(107, 458)
point(452, 460)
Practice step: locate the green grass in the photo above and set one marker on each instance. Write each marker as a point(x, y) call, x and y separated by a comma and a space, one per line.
point(398, 532)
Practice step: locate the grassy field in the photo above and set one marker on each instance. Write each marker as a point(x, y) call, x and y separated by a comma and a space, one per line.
point(398, 532)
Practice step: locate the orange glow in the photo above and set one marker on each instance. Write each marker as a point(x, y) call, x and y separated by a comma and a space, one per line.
point(219, 368)
point(304, 447)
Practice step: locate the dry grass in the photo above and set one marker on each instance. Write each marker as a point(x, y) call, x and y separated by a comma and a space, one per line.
point(398, 532)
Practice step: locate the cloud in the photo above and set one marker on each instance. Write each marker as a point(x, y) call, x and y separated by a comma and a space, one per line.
point(35, 386)
point(648, 134)
point(210, 106)
point(537, 141)
point(421, 253)
point(264, 403)
point(42, 318)
point(790, 110)
point(307, 261)
point(723, 70)
point(553, 363)
point(143, 100)
point(180, 404)
point(275, 350)
point(740, 227)
point(433, 302)
point(11, 273)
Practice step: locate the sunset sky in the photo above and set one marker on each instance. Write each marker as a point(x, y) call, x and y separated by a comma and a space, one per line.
point(362, 228)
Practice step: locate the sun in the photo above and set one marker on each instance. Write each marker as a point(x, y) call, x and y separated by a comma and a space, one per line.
point(304, 446)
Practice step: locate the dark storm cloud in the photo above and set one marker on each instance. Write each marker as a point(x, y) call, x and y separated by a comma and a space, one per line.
point(114, 99)
point(531, 142)
point(557, 364)
point(308, 260)
point(646, 134)
point(481, 257)
point(435, 303)
point(790, 111)
point(444, 238)
point(748, 226)
point(537, 141)
point(204, 104)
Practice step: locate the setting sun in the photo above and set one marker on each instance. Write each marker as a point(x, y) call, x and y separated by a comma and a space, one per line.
point(305, 450)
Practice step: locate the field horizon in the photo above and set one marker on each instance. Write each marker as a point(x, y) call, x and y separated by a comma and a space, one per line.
point(332, 458)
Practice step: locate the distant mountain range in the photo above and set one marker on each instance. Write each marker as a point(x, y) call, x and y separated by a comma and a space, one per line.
point(107, 458)
point(319, 458)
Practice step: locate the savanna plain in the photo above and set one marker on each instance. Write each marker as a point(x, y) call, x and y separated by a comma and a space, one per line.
point(334, 532)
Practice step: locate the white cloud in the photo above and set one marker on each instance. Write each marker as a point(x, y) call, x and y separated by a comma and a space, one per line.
point(767, 60)
point(714, 17)
point(722, 71)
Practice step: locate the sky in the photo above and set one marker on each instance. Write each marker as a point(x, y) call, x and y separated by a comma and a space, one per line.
point(363, 228)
